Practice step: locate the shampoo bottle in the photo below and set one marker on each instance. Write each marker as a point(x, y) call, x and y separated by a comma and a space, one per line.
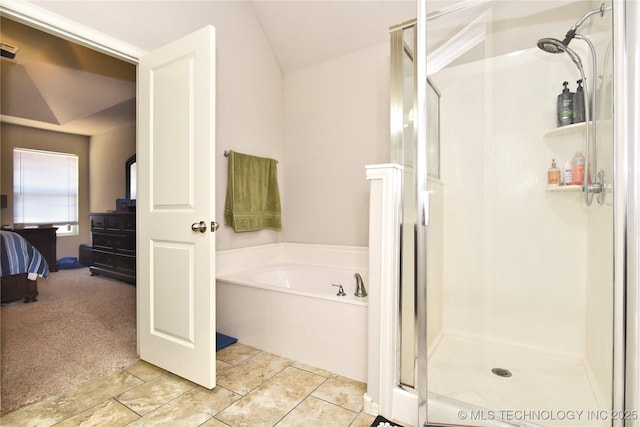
point(567, 173)
point(577, 169)
point(578, 104)
point(553, 174)
point(565, 106)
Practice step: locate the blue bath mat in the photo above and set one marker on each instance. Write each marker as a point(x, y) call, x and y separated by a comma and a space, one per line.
point(69, 262)
point(223, 341)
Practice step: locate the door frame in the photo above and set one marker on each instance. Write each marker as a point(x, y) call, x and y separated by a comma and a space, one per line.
point(57, 25)
point(49, 22)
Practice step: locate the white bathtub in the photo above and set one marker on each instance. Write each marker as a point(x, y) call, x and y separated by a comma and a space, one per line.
point(288, 306)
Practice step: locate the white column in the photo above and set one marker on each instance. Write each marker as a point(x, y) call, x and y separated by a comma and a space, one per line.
point(384, 249)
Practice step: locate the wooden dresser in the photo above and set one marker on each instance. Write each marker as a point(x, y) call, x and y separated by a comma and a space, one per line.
point(113, 238)
point(44, 240)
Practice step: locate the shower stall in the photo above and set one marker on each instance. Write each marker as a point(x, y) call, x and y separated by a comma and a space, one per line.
point(511, 291)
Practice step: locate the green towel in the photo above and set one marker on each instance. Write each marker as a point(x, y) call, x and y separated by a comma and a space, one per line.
point(253, 198)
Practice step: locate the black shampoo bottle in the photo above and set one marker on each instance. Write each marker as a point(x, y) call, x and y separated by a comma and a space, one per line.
point(565, 106)
point(578, 104)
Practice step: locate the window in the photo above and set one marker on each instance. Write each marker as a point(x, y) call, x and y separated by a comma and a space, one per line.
point(45, 189)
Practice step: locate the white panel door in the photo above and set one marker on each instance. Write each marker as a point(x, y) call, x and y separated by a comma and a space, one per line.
point(175, 158)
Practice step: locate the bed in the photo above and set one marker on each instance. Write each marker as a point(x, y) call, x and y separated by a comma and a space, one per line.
point(21, 265)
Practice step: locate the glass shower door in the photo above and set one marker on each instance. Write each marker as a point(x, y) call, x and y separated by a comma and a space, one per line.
point(519, 273)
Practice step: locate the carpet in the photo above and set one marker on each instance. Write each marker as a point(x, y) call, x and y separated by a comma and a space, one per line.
point(223, 341)
point(381, 421)
point(82, 327)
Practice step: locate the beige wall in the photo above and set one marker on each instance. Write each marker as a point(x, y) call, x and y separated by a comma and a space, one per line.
point(248, 104)
point(25, 137)
point(108, 153)
point(336, 121)
point(248, 77)
point(323, 123)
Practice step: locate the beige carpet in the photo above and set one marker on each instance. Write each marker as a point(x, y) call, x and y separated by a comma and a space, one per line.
point(82, 326)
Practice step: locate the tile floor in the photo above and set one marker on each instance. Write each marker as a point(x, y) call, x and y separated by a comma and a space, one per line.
point(254, 388)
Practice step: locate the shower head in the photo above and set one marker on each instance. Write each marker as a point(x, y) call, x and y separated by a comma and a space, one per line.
point(556, 46)
point(551, 45)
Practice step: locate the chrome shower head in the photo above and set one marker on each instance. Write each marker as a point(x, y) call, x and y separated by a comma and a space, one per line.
point(556, 46)
point(551, 45)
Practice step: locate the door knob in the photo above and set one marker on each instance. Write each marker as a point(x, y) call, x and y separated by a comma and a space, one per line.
point(199, 226)
point(214, 226)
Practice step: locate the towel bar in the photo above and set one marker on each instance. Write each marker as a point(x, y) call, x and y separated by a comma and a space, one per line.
point(226, 154)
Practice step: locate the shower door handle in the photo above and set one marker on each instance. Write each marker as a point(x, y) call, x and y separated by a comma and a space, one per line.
point(424, 208)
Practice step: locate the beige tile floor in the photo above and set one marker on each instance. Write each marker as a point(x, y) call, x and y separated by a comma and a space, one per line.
point(254, 388)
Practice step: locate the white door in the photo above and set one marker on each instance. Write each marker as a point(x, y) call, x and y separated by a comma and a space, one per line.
point(175, 158)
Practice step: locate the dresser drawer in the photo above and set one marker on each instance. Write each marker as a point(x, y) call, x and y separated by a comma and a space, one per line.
point(101, 241)
point(128, 223)
point(113, 223)
point(125, 264)
point(125, 243)
point(113, 237)
point(103, 259)
point(97, 223)
point(121, 242)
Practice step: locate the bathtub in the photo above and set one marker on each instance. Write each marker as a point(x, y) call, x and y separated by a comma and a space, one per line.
point(287, 304)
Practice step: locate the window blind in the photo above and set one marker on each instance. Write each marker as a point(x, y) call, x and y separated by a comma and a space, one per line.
point(45, 187)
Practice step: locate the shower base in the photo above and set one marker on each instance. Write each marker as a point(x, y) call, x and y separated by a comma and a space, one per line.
point(544, 389)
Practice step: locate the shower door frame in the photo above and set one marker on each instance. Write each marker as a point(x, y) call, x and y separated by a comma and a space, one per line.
point(626, 200)
point(626, 34)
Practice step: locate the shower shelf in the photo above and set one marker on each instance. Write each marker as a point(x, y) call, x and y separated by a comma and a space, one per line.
point(564, 188)
point(568, 129)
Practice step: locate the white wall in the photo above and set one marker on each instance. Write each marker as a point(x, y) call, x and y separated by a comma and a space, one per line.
point(323, 123)
point(514, 255)
point(336, 121)
point(521, 264)
point(248, 81)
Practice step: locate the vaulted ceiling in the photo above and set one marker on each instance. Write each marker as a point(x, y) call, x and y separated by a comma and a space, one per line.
point(58, 85)
point(63, 86)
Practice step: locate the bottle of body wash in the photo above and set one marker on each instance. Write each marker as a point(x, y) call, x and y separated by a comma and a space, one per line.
point(577, 169)
point(567, 173)
point(565, 106)
point(578, 104)
point(553, 174)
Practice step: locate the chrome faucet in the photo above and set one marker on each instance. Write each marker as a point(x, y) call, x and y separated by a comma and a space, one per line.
point(341, 291)
point(360, 290)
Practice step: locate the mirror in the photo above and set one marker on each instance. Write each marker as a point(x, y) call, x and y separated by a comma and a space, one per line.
point(132, 180)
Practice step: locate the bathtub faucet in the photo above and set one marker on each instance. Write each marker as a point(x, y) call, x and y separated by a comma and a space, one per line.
point(360, 290)
point(341, 292)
